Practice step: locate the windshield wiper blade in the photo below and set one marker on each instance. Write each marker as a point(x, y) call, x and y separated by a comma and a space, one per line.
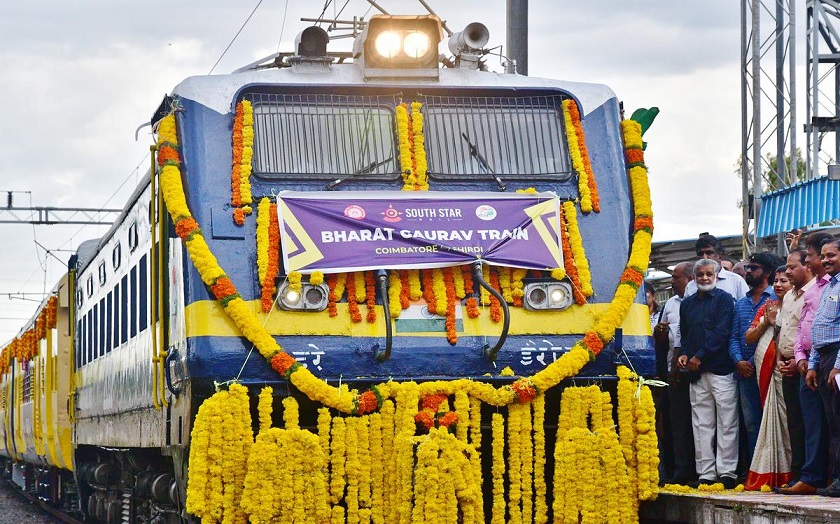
point(361, 171)
point(478, 156)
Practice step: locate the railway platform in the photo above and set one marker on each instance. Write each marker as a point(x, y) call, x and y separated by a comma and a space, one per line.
point(731, 507)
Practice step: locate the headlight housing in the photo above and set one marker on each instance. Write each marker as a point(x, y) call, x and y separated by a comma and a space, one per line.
point(552, 296)
point(400, 42)
point(309, 298)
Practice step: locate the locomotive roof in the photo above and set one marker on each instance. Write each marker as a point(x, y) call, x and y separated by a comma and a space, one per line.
point(218, 92)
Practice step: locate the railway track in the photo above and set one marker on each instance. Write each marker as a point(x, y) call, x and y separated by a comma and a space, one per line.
point(17, 506)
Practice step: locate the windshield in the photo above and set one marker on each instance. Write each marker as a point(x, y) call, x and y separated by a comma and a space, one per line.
point(465, 137)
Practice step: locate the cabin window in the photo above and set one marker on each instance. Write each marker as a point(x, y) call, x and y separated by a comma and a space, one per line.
point(102, 274)
point(324, 135)
point(116, 256)
point(133, 239)
point(89, 285)
point(80, 298)
point(476, 137)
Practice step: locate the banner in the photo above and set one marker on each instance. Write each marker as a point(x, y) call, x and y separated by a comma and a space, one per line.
point(356, 231)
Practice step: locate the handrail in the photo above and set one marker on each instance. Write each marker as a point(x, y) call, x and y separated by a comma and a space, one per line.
point(153, 270)
point(383, 355)
point(489, 352)
point(161, 348)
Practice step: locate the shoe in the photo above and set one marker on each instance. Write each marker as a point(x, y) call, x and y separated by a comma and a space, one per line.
point(832, 491)
point(729, 482)
point(701, 482)
point(800, 488)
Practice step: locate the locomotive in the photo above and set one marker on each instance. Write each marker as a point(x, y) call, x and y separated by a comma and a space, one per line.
point(380, 216)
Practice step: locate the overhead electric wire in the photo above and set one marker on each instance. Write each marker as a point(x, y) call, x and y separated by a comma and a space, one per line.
point(235, 37)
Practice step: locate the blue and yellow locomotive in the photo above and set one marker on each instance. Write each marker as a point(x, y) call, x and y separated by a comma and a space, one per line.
point(358, 218)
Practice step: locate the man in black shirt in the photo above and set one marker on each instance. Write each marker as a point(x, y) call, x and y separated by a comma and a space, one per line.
point(705, 326)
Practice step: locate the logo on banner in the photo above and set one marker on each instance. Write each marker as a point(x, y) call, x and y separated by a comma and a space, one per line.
point(391, 215)
point(485, 212)
point(355, 212)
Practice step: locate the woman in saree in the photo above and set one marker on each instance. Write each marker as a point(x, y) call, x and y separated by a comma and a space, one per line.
point(771, 461)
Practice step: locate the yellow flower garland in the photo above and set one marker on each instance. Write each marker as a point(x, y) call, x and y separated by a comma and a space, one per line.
point(262, 237)
point(578, 252)
point(220, 445)
point(498, 469)
point(540, 488)
point(419, 148)
point(577, 160)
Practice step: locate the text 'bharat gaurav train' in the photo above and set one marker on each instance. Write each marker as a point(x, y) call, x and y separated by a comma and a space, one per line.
point(378, 286)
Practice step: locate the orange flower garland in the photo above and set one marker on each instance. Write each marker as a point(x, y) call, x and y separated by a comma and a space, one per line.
point(352, 303)
point(370, 296)
point(495, 306)
point(469, 291)
point(332, 298)
point(584, 153)
point(243, 144)
point(272, 260)
point(569, 261)
point(405, 290)
point(429, 290)
point(449, 282)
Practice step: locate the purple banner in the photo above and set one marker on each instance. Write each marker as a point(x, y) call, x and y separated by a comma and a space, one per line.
point(355, 231)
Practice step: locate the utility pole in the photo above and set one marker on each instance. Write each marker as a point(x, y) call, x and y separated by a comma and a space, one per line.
point(517, 37)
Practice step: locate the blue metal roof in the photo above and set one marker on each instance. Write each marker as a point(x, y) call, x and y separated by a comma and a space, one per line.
point(800, 205)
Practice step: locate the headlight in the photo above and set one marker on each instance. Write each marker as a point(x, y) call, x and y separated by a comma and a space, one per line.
point(399, 42)
point(309, 298)
point(416, 44)
point(388, 44)
point(548, 296)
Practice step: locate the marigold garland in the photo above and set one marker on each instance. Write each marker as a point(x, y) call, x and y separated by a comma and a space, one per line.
point(262, 238)
point(576, 152)
point(576, 242)
point(469, 293)
point(220, 444)
point(370, 296)
point(352, 300)
point(243, 151)
point(569, 262)
point(574, 113)
point(449, 296)
point(495, 306)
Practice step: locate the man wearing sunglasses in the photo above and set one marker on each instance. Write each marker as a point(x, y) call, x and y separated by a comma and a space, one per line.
point(761, 270)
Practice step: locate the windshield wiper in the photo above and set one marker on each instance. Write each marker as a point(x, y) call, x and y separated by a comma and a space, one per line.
point(478, 156)
point(361, 171)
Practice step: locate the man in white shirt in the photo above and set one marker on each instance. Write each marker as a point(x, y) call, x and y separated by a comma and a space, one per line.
point(708, 246)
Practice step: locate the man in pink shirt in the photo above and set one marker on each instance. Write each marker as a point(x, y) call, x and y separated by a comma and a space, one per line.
point(814, 468)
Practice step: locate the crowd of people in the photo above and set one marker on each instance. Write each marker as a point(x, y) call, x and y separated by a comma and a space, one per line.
point(750, 355)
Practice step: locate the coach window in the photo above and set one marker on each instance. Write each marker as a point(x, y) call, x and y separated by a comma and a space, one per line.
point(100, 350)
point(144, 294)
point(132, 237)
point(124, 310)
point(80, 298)
point(89, 285)
point(133, 313)
point(116, 256)
point(109, 329)
point(102, 274)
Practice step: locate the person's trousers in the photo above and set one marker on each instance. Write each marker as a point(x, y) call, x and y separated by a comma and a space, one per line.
point(831, 405)
point(815, 464)
point(681, 430)
point(796, 430)
point(751, 411)
point(714, 416)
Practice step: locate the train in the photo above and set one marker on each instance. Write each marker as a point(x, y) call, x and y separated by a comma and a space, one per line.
point(336, 226)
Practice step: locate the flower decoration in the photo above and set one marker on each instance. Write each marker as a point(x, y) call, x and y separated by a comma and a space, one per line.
point(243, 151)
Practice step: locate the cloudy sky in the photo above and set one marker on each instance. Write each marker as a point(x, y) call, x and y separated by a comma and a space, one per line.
point(80, 77)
